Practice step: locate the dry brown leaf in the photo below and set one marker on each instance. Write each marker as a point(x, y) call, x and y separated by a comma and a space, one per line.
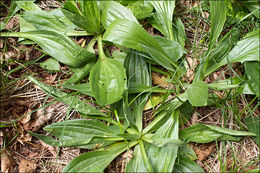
point(33, 155)
point(194, 118)
point(26, 166)
point(26, 119)
point(204, 151)
point(157, 80)
point(52, 149)
point(51, 78)
point(42, 117)
point(12, 23)
point(24, 138)
point(7, 163)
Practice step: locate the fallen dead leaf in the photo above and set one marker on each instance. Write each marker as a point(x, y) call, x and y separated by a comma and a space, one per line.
point(194, 118)
point(204, 151)
point(51, 78)
point(7, 163)
point(26, 166)
point(42, 117)
point(52, 149)
point(160, 80)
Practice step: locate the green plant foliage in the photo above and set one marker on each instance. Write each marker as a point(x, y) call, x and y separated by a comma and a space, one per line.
point(163, 17)
point(252, 71)
point(136, 38)
point(198, 93)
point(57, 45)
point(253, 126)
point(141, 9)
point(202, 133)
point(73, 101)
point(218, 11)
point(50, 64)
point(246, 49)
point(107, 81)
point(184, 164)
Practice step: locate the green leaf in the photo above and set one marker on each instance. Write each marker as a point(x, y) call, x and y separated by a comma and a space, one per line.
point(136, 164)
point(252, 71)
point(107, 81)
point(162, 159)
point(253, 126)
point(130, 34)
point(28, 5)
point(218, 12)
point(50, 64)
point(184, 164)
point(96, 161)
point(164, 116)
point(74, 133)
point(91, 10)
point(141, 9)
point(202, 133)
point(73, 101)
point(135, 87)
point(80, 73)
point(172, 48)
point(246, 49)
point(137, 71)
point(198, 93)
point(88, 18)
point(163, 17)
point(59, 46)
point(179, 34)
point(225, 84)
point(52, 21)
point(11, 11)
point(83, 88)
point(119, 56)
point(113, 10)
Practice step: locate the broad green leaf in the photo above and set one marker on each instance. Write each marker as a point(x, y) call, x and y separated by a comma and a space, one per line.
point(184, 164)
point(113, 10)
point(80, 73)
point(135, 87)
point(253, 126)
point(119, 56)
point(82, 88)
point(73, 101)
point(137, 71)
point(252, 71)
point(198, 93)
point(186, 112)
point(28, 5)
point(96, 161)
point(164, 116)
point(107, 81)
point(172, 48)
point(136, 164)
point(202, 133)
point(162, 159)
point(130, 34)
point(179, 34)
point(163, 17)
point(246, 49)
point(75, 133)
point(87, 18)
point(225, 84)
point(50, 64)
point(91, 10)
point(141, 9)
point(78, 128)
point(153, 101)
point(52, 21)
point(218, 11)
point(60, 47)
point(188, 152)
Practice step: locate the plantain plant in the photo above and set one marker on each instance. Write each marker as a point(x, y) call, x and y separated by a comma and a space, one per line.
point(123, 81)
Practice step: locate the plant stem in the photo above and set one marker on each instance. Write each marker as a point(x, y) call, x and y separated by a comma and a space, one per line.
point(101, 53)
point(145, 158)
